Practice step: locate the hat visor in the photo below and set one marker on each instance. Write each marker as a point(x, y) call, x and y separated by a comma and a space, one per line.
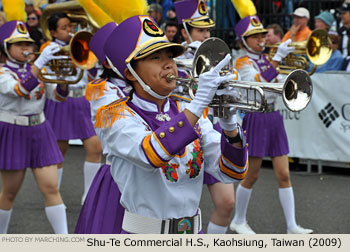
point(177, 49)
point(206, 23)
point(343, 10)
point(20, 39)
point(254, 31)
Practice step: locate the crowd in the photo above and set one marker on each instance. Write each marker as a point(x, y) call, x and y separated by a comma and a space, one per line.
point(161, 145)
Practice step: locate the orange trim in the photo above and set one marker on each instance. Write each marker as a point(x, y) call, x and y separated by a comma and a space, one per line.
point(161, 145)
point(236, 166)
point(241, 62)
point(181, 97)
point(18, 91)
point(236, 73)
point(231, 173)
point(152, 156)
point(206, 112)
point(58, 97)
point(257, 77)
point(95, 89)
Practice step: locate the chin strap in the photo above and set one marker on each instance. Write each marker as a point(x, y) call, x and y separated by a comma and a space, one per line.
point(114, 68)
point(145, 87)
point(188, 34)
point(11, 58)
point(248, 48)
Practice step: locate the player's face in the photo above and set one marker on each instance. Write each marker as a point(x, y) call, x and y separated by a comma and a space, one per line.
point(256, 42)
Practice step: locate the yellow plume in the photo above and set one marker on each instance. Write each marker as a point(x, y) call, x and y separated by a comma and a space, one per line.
point(95, 12)
point(123, 9)
point(14, 10)
point(244, 8)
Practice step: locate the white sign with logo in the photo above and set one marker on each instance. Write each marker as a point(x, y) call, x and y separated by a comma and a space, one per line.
point(322, 130)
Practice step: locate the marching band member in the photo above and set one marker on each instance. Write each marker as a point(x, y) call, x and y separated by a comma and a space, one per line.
point(27, 139)
point(157, 147)
point(195, 28)
point(72, 119)
point(266, 135)
point(102, 212)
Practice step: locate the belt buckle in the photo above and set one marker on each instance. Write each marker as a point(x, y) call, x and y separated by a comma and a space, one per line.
point(270, 107)
point(181, 226)
point(78, 93)
point(34, 120)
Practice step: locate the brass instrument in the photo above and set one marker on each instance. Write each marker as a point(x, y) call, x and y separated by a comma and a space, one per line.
point(296, 90)
point(317, 49)
point(77, 52)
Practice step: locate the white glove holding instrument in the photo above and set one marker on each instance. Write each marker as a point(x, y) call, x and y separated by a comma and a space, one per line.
point(229, 123)
point(48, 54)
point(207, 85)
point(283, 50)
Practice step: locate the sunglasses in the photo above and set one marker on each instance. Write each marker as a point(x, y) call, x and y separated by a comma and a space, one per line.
point(32, 18)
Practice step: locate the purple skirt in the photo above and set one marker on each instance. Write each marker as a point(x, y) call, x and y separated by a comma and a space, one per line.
point(24, 147)
point(266, 136)
point(70, 119)
point(101, 212)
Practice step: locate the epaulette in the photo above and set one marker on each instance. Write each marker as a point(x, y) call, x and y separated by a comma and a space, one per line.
point(181, 98)
point(242, 61)
point(106, 115)
point(95, 89)
point(44, 45)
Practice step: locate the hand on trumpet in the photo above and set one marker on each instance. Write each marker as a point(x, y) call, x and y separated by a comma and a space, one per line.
point(229, 123)
point(48, 54)
point(208, 83)
point(283, 50)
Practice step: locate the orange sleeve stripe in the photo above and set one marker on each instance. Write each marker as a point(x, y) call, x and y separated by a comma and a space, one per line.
point(231, 173)
point(58, 97)
point(236, 166)
point(150, 153)
point(161, 145)
point(240, 62)
point(18, 91)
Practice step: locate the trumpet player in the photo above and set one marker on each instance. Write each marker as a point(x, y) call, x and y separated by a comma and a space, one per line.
point(266, 135)
point(26, 138)
point(72, 119)
point(195, 28)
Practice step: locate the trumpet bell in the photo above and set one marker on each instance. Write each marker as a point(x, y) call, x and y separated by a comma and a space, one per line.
point(318, 47)
point(297, 90)
point(81, 55)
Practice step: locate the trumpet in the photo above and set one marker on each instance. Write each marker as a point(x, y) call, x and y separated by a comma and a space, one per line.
point(317, 49)
point(77, 54)
point(296, 90)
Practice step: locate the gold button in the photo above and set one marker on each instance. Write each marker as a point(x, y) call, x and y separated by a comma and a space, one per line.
point(245, 132)
point(247, 145)
point(188, 170)
point(171, 129)
point(180, 123)
point(161, 134)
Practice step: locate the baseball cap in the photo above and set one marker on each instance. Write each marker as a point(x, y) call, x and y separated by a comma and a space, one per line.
point(344, 8)
point(301, 12)
point(326, 17)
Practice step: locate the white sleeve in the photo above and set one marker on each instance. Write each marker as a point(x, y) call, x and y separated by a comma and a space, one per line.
point(9, 83)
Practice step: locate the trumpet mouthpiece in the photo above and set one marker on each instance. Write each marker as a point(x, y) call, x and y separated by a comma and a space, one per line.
point(26, 53)
point(170, 77)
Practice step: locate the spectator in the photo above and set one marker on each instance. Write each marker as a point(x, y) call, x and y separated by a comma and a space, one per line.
point(171, 15)
point(33, 24)
point(155, 11)
point(344, 30)
point(29, 7)
point(324, 20)
point(171, 30)
point(299, 31)
point(274, 34)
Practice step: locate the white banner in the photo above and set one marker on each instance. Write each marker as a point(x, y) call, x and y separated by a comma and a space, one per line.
point(322, 130)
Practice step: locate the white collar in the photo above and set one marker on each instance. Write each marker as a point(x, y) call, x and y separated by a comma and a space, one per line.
point(60, 42)
point(253, 55)
point(13, 64)
point(149, 105)
point(118, 82)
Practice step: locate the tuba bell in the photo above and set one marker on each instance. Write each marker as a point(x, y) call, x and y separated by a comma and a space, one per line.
point(296, 90)
point(317, 49)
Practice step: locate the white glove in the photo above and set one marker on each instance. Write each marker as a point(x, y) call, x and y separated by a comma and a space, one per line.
point(46, 55)
point(229, 123)
point(207, 85)
point(283, 50)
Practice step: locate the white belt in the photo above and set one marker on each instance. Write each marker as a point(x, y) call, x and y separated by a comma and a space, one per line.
point(76, 93)
point(137, 224)
point(22, 120)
